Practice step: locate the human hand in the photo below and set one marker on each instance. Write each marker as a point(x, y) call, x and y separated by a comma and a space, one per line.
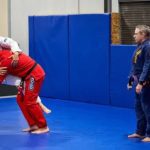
point(129, 87)
point(15, 59)
point(130, 83)
point(3, 70)
point(139, 88)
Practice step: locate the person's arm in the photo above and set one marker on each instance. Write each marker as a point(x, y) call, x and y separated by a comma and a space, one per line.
point(146, 67)
point(4, 67)
point(130, 78)
point(8, 43)
point(146, 70)
point(130, 82)
point(15, 58)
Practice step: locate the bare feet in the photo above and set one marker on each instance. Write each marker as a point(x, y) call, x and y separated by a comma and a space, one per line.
point(32, 128)
point(40, 130)
point(135, 135)
point(146, 139)
point(44, 108)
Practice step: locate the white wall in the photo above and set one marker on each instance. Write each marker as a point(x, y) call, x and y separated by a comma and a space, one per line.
point(115, 6)
point(91, 6)
point(3, 18)
point(21, 9)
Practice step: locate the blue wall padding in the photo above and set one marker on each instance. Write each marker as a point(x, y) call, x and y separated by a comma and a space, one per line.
point(89, 43)
point(79, 61)
point(120, 68)
point(49, 46)
point(31, 37)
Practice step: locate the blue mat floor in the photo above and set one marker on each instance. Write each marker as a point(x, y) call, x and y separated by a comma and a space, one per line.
point(74, 126)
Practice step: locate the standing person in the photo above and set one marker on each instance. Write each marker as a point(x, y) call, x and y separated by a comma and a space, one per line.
point(140, 74)
point(32, 75)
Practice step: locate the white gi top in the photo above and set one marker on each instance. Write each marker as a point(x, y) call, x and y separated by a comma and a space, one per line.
point(6, 42)
point(9, 43)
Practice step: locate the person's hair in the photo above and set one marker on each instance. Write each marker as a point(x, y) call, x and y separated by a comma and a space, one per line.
point(144, 29)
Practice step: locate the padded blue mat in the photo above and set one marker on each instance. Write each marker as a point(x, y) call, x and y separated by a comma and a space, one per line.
point(120, 68)
point(49, 47)
point(89, 38)
point(74, 126)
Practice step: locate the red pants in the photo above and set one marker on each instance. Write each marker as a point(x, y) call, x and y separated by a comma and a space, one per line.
point(28, 105)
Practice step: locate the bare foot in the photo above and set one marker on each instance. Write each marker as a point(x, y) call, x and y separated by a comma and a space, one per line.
point(146, 139)
point(44, 108)
point(135, 135)
point(32, 128)
point(40, 130)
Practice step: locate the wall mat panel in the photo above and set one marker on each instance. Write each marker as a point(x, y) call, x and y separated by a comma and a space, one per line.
point(49, 47)
point(120, 69)
point(89, 43)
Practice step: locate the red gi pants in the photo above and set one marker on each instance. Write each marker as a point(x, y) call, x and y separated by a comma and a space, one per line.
point(27, 101)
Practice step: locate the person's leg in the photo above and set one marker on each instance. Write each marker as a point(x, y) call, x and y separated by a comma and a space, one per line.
point(141, 119)
point(30, 121)
point(43, 107)
point(146, 107)
point(32, 88)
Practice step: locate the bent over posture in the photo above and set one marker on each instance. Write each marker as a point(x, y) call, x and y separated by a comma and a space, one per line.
point(8, 43)
point(32, 75)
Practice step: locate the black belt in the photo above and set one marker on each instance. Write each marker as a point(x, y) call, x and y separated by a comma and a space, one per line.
point(29, 71)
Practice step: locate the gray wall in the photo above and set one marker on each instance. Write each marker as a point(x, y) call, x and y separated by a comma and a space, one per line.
point(14, 18)
point(14, 14)
point(3, 17)
point(115, 6)
point(21, 9)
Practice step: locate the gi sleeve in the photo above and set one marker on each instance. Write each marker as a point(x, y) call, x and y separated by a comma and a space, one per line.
point(146, 67)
